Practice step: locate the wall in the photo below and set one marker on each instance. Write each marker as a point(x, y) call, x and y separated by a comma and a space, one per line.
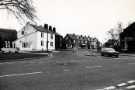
point(44, 39)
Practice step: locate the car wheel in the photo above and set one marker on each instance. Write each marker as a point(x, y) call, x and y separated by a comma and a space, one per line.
point(102, 54)
point(2, 52)
point(16, 52)
point(117, 56)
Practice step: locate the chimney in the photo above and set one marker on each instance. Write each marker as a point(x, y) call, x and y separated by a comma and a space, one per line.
point(50, 28)
point(45, 26)
point(54, 29)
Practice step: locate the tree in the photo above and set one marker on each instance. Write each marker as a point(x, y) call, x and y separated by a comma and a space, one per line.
point(111, 33)
point(20, 8)
point(115, 32)
point(114, 41)
point(120, 27)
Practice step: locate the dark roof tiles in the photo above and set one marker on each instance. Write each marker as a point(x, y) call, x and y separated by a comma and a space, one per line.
point(41, 29)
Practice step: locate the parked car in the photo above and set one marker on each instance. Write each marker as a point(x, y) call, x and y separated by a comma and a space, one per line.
point(109, 52)
point(10, 50)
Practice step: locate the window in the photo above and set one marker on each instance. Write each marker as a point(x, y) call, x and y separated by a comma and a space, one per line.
point(42, 43)
point(24, 45)
point(42, 34)
point(51, 43)
point(22, 32)
point(51, 36)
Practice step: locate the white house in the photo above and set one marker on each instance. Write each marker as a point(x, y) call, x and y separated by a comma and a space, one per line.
point(32, 37)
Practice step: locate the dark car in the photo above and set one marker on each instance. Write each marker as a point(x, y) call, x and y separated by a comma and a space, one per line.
point(109, 52)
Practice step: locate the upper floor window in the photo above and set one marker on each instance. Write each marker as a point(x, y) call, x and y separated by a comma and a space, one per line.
point(51, 43)
point(42, 34)
point(22, 32)
point(25, 45)
point(51, 36)
point(42, 43)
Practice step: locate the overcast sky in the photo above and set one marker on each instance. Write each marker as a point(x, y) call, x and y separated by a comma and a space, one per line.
point(87, 17)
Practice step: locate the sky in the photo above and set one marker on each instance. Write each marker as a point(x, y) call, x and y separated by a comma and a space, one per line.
point(83, 17)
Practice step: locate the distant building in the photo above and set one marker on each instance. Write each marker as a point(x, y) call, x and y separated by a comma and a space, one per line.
point(7, 36)
point(127, 38)
point(81, 41)
point(32, 37)
point(70, 40)
point(59, 42)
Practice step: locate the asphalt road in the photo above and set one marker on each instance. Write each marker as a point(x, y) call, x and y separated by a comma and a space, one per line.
point(66, 70)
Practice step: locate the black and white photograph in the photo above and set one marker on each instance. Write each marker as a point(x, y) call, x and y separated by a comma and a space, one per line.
point(67, 44)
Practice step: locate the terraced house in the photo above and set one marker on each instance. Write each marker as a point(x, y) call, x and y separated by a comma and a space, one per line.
point(32, 37)
point(73, 40)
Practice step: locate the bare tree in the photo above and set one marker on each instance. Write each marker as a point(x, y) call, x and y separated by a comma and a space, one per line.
point(120, 27)
point(111, 33)
point(115, 32)
point(20, 8)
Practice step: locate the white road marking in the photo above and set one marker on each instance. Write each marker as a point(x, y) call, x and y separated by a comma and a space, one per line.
point(131, 81)
point(122, 84)
point(110, 88)
point(130, 87)
point(21, 74)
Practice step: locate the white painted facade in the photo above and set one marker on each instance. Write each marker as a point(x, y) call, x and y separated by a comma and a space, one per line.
point(30, 39)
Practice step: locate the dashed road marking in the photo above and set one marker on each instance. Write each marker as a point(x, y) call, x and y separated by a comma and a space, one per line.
point(131, 81)
point(122, 86)
point(131, 87)
point(20, 74)
point(110, 88)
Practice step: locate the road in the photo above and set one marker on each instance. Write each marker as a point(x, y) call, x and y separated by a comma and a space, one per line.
point(67, 71)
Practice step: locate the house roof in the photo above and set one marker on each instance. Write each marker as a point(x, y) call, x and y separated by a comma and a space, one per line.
point(25, 36)
point(8, 34)
point(41, 29)
point(7, 30)
point(71, 36)
point(129, 31)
